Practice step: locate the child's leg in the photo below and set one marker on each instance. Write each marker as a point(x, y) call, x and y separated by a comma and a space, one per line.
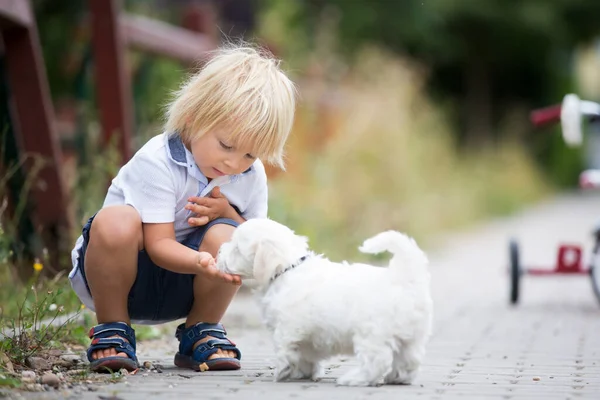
point(212, 297)
point(111, 264)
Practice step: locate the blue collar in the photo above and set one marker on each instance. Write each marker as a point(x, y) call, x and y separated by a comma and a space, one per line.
point(289, 267)
point(180, 155)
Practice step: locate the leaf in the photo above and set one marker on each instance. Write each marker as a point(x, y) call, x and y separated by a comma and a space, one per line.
point(9, 381)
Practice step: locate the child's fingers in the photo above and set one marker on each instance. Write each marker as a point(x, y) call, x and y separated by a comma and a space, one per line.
point(206, 259)
point(213, 272)
point(198, 209)
point(207, 262)
point(216, 192)
point(233, 279)
point(199, 200)
point(198, 221)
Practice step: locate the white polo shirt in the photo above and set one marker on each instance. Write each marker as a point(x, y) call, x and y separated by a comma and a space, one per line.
point(157, 182)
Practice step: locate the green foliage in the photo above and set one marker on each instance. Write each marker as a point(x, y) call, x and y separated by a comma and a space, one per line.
point(32, 329)
point(153, 84)
point(63, 40)
point(483, 56)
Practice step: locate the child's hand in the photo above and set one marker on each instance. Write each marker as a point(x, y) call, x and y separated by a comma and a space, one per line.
point(207, 264)
point(208, 208)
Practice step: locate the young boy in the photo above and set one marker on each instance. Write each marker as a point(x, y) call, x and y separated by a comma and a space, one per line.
point(147, 255)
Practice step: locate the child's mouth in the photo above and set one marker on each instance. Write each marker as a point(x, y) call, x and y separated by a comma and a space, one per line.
point(219, 173)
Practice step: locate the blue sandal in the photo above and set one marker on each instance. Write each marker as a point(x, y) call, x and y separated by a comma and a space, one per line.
point(100, 335)
point(197, 359)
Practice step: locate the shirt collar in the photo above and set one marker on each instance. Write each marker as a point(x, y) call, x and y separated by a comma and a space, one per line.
point(180, 155)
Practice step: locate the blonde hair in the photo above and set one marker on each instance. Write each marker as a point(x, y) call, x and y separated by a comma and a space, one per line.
point(243, 89)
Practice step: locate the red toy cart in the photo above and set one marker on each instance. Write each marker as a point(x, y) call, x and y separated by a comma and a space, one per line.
point(569, 259)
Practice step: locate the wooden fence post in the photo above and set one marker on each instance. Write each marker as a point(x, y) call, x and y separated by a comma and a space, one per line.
point(112, 81)
point(32, 120)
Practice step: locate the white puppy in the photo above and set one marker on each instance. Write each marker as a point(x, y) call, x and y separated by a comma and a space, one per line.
point(316, 308)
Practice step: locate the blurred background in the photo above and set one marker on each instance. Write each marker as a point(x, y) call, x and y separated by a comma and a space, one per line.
point(413, 114)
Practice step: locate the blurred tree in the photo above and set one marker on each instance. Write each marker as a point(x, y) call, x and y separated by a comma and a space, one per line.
point(484, 55)
point(63, 38)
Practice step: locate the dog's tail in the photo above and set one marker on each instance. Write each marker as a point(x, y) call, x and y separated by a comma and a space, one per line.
point(407, 254)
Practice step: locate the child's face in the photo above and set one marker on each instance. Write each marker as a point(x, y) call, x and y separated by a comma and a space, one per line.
point(217, 156)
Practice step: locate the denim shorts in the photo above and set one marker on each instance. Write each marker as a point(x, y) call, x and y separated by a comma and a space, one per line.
point(158, 294)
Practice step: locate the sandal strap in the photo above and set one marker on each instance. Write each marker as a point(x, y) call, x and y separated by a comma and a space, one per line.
point(111, 329)
point(117, 343)
point(190, 336)
point(200, 328)
point(208, 348)
point(179, 331)
point(101, 339)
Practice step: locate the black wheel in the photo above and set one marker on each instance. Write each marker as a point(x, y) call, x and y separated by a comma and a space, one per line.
point(515, 271)
point(595, 276)
point(595, 264)
point(595, 267)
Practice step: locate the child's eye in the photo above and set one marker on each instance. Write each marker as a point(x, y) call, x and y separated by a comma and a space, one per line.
point(250, 156)
point(223, 145)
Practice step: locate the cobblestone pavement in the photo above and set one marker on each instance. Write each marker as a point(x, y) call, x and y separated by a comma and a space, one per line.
point(548, 347)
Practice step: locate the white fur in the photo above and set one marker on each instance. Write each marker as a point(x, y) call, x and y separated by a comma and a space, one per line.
point(320, 308)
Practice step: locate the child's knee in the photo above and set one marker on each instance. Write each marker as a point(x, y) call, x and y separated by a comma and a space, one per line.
point(215, 236)
point(117, 227)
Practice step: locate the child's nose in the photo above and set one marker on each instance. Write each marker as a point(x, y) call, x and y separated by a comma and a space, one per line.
point(232, 163)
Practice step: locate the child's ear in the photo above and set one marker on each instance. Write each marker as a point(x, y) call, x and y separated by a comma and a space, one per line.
point(268, 261)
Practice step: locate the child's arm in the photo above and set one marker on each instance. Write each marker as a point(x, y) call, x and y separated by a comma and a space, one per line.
point(164, 250)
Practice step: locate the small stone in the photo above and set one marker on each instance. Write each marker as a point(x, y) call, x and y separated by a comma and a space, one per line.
point(38, 363)
point(51, 380)
point(28, 377)
point(31, 387)
point(203, 367)
point(81, 372)
point(537, 378)
point(147, 365)
point(71, 358)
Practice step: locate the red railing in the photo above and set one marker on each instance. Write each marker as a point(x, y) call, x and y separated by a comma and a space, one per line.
point(32, 118)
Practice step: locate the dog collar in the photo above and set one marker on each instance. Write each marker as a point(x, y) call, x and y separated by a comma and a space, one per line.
point(291, 266)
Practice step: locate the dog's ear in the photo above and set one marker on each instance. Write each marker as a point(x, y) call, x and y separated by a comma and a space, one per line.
point(268, 261)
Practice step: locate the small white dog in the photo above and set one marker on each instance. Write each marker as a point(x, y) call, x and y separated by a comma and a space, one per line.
point(316, 308)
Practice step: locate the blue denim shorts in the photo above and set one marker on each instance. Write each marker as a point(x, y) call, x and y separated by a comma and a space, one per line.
point(158, 294)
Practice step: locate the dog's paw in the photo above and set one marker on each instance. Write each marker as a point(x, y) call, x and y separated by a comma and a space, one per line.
point(353, 378)
point(401, 377)
point(289, 372)
point(318, 374)
point(283, 373)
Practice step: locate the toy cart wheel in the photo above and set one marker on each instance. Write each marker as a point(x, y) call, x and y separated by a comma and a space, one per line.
point(595, 274)
point(515, 271)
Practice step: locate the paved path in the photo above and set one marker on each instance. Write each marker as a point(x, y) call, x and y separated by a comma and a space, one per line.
point(546, 348)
